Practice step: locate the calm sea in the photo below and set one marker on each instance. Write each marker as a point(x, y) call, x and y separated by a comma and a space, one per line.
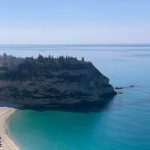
point(122, 124)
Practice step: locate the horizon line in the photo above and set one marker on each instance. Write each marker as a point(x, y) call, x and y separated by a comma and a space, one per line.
point(101, 44)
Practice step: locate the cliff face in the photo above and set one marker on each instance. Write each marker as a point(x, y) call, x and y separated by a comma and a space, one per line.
point(51, 82)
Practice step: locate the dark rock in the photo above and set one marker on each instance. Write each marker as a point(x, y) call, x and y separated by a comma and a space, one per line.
point(52, 82)
point(119, 88)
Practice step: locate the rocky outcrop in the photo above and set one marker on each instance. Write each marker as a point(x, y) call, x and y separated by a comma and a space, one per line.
point(53, 82)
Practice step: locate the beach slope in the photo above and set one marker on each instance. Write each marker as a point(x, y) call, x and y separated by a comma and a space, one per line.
point(6, 142)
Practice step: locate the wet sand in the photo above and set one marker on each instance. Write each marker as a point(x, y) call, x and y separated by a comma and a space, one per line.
point(6, 142)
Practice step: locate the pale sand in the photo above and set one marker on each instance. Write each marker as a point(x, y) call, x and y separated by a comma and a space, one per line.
point(7, 143)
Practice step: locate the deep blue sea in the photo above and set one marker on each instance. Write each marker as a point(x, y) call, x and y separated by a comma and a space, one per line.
point(122, 124)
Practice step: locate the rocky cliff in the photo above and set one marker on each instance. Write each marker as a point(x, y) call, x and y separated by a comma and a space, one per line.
point(51, 82)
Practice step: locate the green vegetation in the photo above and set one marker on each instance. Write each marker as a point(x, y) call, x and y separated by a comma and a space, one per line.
point(29, 67)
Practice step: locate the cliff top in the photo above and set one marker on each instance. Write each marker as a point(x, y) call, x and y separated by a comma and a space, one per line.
point(25, 68)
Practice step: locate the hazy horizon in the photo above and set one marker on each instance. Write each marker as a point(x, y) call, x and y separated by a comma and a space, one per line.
point(74, 22)
point(76, 44)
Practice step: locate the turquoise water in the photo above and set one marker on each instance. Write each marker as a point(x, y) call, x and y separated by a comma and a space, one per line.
point(122, 124)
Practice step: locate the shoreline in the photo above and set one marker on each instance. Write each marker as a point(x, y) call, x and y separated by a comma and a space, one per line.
point(6, 142)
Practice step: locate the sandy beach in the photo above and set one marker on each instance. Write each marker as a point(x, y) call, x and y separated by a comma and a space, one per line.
point(6, 142)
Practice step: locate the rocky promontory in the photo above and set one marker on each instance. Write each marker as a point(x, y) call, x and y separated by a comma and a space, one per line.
point(51, 82)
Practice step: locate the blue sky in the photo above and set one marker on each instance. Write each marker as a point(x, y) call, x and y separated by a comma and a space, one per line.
point(74, 21)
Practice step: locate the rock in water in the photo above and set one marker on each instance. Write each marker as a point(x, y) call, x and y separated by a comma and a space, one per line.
point(51, 82)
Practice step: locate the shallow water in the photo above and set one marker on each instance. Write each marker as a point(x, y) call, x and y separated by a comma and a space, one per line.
point(122, 124)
